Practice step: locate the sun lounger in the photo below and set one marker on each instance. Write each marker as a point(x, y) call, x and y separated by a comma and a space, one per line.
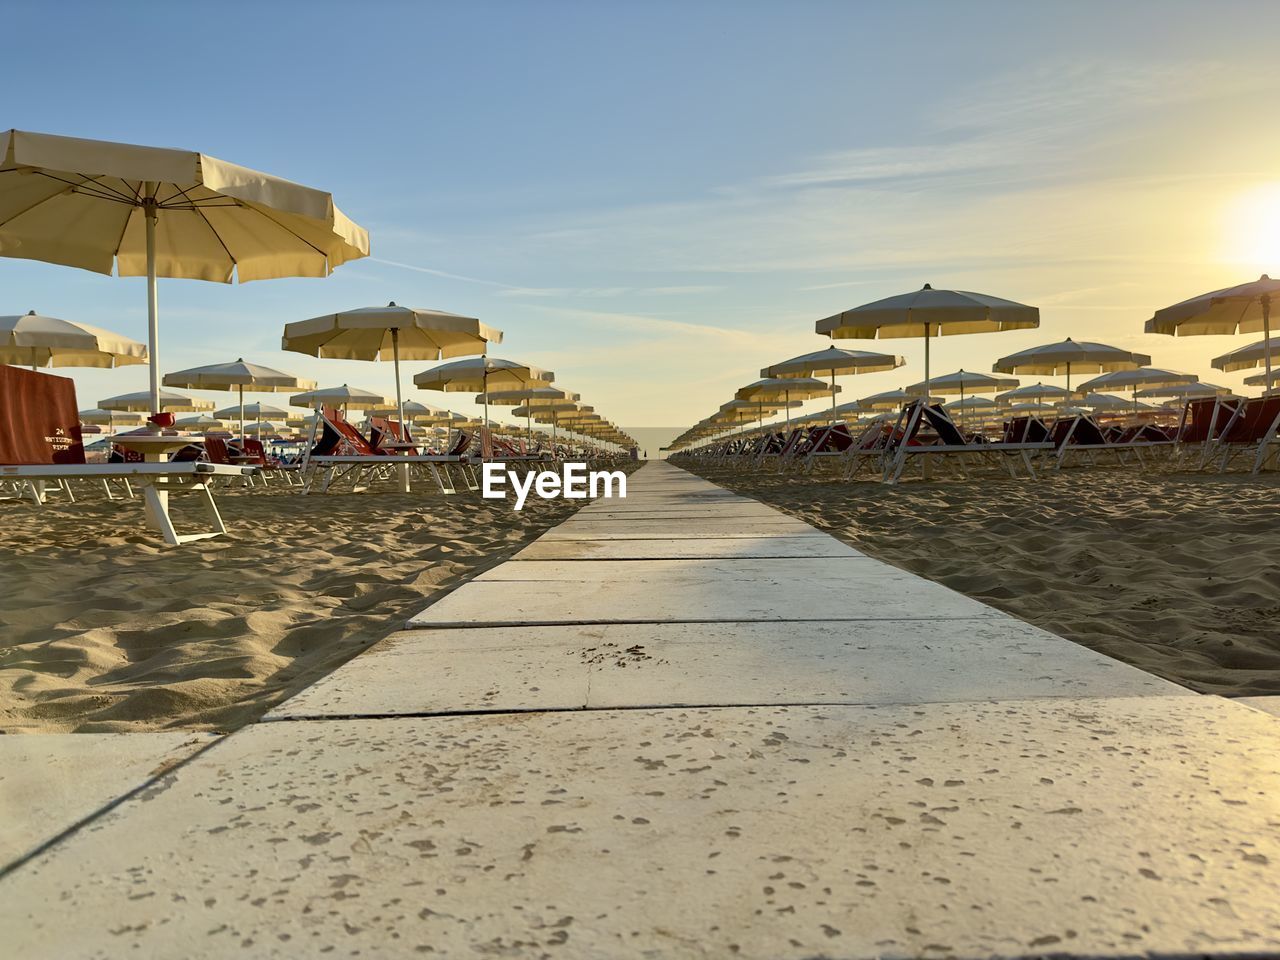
point(1200, 428)
point(910, 440)
point(40, 444)
point(1252, 432)
point(342, 455)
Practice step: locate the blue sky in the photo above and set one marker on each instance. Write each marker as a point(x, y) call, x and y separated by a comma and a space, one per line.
point(657, 199)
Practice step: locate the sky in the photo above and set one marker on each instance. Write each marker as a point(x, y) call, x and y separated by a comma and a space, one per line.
point(655, 200)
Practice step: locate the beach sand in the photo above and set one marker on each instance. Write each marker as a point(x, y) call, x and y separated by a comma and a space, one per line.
point(1176, 574)
point(106, 630)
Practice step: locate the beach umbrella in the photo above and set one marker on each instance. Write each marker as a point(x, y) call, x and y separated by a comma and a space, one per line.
point(929, 313)
point(263, 426)
point(961, 382)
point(968, 405)
point(1034, 392)
point(407, 333)
point(1032, 407)
point(833, 362)
point(478, 374)
point(343, 396)
point(32, 340)
point(239, 376)
point(200, 423)
point(258, 411)
point(788, 389)
point(541, 396)
point(1242, 309)
point(1187, 391)
point(1263, 379)
point(110, 418)
point(415, 412)
point(163, 213)
point(890, 400)
point(1109, 402)
point(144, 401)
point(1143, 377)
point(1246, 358)
point(1070, 356)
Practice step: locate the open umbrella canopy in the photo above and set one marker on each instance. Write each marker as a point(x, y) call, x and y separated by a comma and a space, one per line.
point(373, 333)
point(199, 423)
point(1033, 392)
point(259, 411)
point(833, 361)
point(415, 412)
point(163, 213)
point(343, 395)
point(1102, 402)
point(929, 313)
point(536, 396)
point(1149, 377)
point(142, 402)
point(111, 417)
point(32, 340)
point(891, 400)
point(1264, 379)
point(1242, 309)
point(252, 377)
point(262, 427)
point(1246, 358)
point(971, 404)
point(961, 382)
point(1032, 407)
point(1187, 391)
point(477, 374)
point(786, 388)
point(1070, 356)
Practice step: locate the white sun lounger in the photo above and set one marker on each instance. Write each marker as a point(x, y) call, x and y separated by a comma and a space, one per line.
point(156, 480)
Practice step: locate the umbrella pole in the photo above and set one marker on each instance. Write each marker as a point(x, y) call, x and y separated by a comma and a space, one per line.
point(833, 396)
point(241, 389)
point(1068, 376)
point(926, 364)
point(153, 306)
point(1266, 341)
point(403, 469)
point(786, 395)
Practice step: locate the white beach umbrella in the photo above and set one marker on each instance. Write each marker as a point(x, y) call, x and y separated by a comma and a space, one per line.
point(929, 313)
point(1142, 377)
point(414, 412)
point(406, 333)
point(1032, 407)
point(240, 376)
point(1246, 358)
point(480, 374)
point(787, 389)
point(1187, 391)
point(1109, 402)
point(1242, 309)
point(200, 423)
point(1034, 392)
point(32, 340)
point(891, 400)
point(163, 213)
point(1070, 356)
point(539, 396)
point(258, 411)
point(832, 362)
point(144, 401)
point(1263, 379)
point(961, 382)
point(111, 418)
point(344, 396)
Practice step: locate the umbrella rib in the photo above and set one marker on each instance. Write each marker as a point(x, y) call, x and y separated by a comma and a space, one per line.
point(292, 233)
point(216, 235)
point(108, 193)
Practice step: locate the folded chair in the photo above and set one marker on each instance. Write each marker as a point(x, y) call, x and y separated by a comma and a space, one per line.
point(40, 443)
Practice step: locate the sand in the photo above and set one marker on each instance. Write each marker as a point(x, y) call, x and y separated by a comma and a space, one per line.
point(1176, 574)
point(106, 631)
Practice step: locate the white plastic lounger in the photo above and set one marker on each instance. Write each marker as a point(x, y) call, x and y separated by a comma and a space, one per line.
point(154, 478)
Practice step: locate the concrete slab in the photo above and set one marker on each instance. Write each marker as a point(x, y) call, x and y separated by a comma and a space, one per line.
point(739, 664)
point(863, 590)
point(1117, 827)
point(51, 782)
point(1269, 704)
point(681, 529)
point(724, 548)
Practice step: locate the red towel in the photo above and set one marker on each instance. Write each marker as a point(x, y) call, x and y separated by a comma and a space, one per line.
point(39, 422)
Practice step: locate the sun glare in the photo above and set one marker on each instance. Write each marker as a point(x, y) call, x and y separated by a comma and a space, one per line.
point(1253, 229)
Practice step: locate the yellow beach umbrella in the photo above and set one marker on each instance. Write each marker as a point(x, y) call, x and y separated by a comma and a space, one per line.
point(163, 213)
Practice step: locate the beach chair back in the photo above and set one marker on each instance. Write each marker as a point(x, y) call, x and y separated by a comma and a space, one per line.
point(340, 438)
point(1087, 431)
point(460, 445)
point(254, 448)
point(188, 454)
point(1256, 421)
point(215, 449)
point(943, 426)
point(1060, 432)
point(39, 423)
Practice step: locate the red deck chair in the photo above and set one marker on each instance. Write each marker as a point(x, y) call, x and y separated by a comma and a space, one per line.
point(1252, 430)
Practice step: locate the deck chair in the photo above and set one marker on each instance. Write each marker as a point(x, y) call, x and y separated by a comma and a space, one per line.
point(1252, 431)
point(40, 444)
point(1200, 428)
point(341, 454)
point(869, 448)
point(911, 440)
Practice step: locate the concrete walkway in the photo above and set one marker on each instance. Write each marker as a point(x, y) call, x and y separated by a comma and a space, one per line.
point(686, 725)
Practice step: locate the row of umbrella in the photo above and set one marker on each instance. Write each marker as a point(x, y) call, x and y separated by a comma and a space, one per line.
point(931, 312)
